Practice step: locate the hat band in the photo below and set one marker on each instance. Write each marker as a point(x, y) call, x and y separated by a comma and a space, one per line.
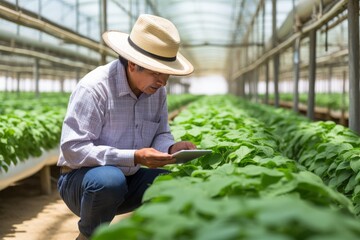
point(149, 54)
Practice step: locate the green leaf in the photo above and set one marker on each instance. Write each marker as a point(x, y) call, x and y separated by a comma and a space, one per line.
point(320, 170)
point(219, 229)
point(342, 176)
point(241, 153)
point(195, 132)
point(213, 160)
point(208, 142)
point(268, 151)
point(345, 165)
point(351, 184)
point(355, 163)
point(252, 170)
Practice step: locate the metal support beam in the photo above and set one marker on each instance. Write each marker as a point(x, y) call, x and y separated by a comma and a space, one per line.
point(153, 7)
point(36, 54)
point(276, 79)
point(77, 12)
point(241, 86)
point(239, 15)
point(246, 85)
point(334, 11)
point(103, 26)
point(250, 84)
point(267, 82)
point(77, 74)
point(23, 17)
point(123, 8)
point(256, 82)
point(312, 75)
point(220, 45)
point(276, 61)
point(246, 79)
point(43, 71)
point(36, 77)
point(6, 81)
point(296, 74)
point(353, 30)
point(250, 27)
point(266, 64)
point(18, 83)
point(343, 100)
point(62, 80)
point(329, 91)
point(12, 40)
point(131, 21)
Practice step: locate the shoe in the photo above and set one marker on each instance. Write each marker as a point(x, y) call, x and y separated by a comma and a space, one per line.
point(81, 237)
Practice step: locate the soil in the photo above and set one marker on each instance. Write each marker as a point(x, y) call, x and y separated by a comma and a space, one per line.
point(27, 214)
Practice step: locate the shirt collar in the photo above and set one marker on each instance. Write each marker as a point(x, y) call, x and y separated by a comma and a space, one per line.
point(122, 83)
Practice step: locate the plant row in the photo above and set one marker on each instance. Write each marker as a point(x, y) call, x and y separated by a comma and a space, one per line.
point(27, 101)
point(29, 125)
point(334, 101)
point(329, 150)
point(246, 189)
point(28, 133)
point(177, 101)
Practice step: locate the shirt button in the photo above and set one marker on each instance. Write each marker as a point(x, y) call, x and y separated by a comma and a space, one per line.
point(136, 126)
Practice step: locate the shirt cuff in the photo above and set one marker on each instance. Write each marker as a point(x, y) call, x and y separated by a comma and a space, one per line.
point(122, 158)
point(164, 147)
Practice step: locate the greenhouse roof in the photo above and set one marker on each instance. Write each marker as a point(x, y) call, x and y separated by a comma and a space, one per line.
point(210, 30)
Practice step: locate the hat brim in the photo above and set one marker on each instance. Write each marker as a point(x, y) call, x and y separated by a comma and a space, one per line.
point(118, 42)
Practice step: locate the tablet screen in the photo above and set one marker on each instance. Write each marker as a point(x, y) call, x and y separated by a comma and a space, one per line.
point(184, 156)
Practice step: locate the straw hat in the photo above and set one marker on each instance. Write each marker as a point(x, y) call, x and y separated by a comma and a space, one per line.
point(153, 44)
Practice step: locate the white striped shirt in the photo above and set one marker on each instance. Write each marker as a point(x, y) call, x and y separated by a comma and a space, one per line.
point(105, 122)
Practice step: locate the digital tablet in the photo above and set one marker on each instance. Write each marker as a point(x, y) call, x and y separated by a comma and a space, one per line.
point(184, 156)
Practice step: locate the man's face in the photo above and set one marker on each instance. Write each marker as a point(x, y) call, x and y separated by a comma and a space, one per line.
point(146, 81)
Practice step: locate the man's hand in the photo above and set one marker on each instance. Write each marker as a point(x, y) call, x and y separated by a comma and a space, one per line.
point(152, 158)
point(183, 145)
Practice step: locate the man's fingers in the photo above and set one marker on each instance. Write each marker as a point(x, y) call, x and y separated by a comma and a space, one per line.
point(152, 158)
point(160, 163)
point(160, 158)
point(164, 161)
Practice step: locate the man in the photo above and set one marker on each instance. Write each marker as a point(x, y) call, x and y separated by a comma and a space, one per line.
point(117, 121)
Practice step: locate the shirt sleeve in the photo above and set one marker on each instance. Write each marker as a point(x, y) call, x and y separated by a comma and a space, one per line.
point(163, 138)
point(82, 126)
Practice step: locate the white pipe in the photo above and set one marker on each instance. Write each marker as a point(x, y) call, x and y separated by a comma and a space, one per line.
point(16, 40)
point(43, 71)
point(47, 57)
point(303, 11)
point(27, 167)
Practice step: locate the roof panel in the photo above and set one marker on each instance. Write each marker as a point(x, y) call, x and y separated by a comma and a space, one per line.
point(209, 29)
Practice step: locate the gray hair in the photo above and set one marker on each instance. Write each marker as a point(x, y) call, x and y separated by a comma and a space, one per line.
point(124, 62)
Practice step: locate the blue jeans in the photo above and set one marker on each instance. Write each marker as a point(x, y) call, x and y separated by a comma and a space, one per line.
point(97, 194)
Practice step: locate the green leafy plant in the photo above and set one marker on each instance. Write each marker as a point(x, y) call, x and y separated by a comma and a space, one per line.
point(323, 147)
point(245, 190)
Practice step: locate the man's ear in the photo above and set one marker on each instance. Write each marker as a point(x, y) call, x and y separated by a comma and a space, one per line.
point(131, 66)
